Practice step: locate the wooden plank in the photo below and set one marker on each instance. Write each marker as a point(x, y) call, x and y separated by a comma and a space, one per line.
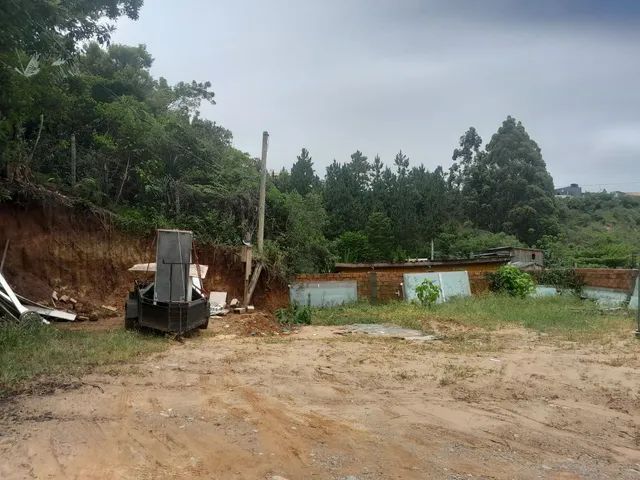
point(253, 283)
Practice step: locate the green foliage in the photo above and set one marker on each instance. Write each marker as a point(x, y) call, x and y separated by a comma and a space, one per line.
point(427, 292)
point(303, 179)
point(379, 231)
point(598, 230)
point(54, 27)
point(511, 280)
point(352, 247)
point(561, 278)
point(506, 188)
point(294, 314)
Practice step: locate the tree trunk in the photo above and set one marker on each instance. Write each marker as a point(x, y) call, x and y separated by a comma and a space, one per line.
point(124, 179)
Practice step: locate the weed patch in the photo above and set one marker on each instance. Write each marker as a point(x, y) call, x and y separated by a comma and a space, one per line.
point(566, 317)
point(31, 351)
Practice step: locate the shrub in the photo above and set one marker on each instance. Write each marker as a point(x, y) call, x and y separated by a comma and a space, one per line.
point(511, 280)
point(427, 292)
point(294, 314)
point(561, 278)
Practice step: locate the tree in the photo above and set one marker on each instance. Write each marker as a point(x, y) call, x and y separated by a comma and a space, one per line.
point(347, 194)
point(55, 28)
point(507, 187)
point(463, 157)
point(303, 178)
point(352, 247)
point(302, 238)
point(380, 236)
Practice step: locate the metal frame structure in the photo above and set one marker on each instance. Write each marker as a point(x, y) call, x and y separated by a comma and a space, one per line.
point(191, 310)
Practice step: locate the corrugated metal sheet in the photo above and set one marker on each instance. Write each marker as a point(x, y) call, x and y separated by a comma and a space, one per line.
point(606, 297)
point(323, 294)
point(452, 284)
point(634, 298)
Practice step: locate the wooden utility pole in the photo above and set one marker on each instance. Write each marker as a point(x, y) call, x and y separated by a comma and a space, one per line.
point(251, 285)
point(263, 191)
point(73, 159)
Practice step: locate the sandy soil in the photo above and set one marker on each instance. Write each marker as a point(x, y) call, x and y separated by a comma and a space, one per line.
point(315, 404)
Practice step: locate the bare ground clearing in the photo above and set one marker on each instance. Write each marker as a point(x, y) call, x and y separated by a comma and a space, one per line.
point(509, 404)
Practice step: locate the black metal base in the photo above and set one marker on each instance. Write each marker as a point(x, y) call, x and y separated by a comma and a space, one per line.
point(637, 333)
point(176, 317)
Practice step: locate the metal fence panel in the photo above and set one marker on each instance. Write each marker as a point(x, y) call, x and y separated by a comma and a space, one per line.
point(323, 294)
point(633, 304)
point(452, 284)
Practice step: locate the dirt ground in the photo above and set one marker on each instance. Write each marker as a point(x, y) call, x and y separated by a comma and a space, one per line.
point(318, 404)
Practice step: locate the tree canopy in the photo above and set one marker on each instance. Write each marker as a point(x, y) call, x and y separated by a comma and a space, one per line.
point(143, 151)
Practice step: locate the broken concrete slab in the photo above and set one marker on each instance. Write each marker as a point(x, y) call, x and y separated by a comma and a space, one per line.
point(388, 330)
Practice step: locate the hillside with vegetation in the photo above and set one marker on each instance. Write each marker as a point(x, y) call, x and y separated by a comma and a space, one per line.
point(86, 118)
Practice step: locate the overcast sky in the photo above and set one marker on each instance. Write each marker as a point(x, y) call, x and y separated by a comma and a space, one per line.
point(335, 76)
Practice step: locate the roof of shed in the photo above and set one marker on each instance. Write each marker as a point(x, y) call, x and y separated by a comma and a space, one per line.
point(422, 263)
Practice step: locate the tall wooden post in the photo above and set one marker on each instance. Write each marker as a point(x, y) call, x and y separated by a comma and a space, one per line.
point(263, 191)
point(73, 160)
point(246, 256)
point(251, 286)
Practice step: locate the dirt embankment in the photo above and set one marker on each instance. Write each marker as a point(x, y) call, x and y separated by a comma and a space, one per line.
point(82, 254)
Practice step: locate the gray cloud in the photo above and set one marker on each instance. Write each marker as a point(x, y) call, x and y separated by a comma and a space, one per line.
point(379, 76)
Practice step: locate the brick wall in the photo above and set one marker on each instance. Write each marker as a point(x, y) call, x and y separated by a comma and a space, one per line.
point(615, 278)
point(388, 283)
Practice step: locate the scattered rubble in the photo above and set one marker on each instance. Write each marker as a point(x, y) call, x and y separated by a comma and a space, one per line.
point(21, 308)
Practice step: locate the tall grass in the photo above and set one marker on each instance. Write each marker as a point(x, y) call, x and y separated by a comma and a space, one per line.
point(563, 314)
point(33, 350)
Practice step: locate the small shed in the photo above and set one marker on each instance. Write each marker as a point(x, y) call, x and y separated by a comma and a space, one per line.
point(525, 258)
point(485, 264)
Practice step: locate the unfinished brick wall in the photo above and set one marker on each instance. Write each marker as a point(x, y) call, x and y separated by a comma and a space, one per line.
point(614, 278)
point(388, 284)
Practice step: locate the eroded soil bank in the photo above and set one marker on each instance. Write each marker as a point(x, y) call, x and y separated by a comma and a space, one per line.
point(81, 254)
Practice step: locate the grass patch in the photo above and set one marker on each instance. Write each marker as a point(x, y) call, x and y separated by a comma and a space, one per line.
point(31, 351)
point(566, 315)
point(398, 313)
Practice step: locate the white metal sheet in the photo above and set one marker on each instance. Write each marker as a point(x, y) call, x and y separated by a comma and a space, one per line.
point(151, 268)
point(452, 284)
point(323, 294)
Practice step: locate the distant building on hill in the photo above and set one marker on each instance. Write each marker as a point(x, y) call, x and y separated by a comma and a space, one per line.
point(572, 190)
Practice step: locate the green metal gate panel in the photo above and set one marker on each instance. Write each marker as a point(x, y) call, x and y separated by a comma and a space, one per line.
point(452, 284)
point(323, 294)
